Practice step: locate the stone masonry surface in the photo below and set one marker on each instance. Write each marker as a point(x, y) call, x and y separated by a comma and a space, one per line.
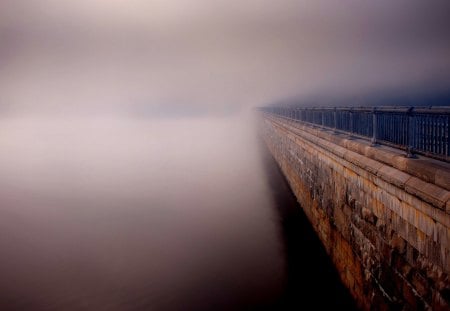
point(383, 219)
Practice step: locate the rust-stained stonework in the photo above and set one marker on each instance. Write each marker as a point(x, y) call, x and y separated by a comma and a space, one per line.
point(383, 219)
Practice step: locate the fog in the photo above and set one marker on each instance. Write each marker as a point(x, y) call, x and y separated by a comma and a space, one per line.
point(213, 57)
point(131, 172)
point(112, 214)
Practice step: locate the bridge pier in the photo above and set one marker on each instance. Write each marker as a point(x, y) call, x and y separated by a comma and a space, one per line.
point(384, 219)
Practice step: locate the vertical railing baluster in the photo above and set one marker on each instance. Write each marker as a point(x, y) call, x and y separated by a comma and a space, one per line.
point(431, 134)
point(441, 134)
point(428, 149)
point(443, 138)
point(423, 132)
point(447, 136)
point(419, 132)
point(410, 134)
point(406, 131)
point(351, 121)
point(335, 119)
point(374, 127)
point(438, 134)
point(435, 135)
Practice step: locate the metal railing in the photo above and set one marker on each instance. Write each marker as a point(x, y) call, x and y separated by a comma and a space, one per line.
point(414, 129)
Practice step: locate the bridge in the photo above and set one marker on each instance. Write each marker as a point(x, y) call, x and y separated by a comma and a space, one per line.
point(375, 185)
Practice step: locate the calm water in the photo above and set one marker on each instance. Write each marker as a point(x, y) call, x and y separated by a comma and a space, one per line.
point(123, 214)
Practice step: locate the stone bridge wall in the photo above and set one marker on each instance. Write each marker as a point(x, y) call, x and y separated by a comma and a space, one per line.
point(383, 219)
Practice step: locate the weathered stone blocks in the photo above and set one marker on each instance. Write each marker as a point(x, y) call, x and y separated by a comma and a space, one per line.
point(383, 219)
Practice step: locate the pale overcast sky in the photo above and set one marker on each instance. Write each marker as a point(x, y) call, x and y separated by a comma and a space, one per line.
point(213, 56)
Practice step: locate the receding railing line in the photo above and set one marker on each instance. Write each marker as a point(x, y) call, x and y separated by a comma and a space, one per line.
point(414, 129)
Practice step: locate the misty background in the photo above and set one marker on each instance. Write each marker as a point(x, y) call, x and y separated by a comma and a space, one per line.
point(220, 57)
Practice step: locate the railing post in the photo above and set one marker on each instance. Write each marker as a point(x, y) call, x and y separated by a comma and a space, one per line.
point(410, 134)
point(351, 125)
point(374, 127)
point(448, 137)
point(312, 117)
point(335, 119)
point(323, 118)
point(351, 121)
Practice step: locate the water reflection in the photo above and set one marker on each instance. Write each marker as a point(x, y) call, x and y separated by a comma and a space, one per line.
point(124, 214)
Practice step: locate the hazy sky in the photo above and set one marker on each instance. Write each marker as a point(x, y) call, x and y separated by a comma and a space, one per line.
point(213, 56)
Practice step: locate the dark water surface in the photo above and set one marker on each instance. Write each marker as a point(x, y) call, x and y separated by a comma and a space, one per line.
point(122, 214)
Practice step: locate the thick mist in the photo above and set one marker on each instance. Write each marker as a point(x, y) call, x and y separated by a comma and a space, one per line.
point(104, 213)
point(192, 57)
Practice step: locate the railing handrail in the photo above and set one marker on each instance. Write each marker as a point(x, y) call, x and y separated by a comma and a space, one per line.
point(396, 109)
point(422, 130)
